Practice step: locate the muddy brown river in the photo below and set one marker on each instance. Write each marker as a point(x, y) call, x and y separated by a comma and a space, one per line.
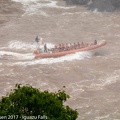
point(92, 78)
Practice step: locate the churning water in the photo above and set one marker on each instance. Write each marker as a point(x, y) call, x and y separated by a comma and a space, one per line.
point(92, 79)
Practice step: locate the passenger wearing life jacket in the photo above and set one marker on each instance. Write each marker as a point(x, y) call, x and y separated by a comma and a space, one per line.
point(60, 47)
point(70, 46)
point(45, 47)
point(87, 44)
point(78, 45)
point(95, 42)
point(75, 46)
point(66, 47)
point(56, 48)
point(53, 50)
point(82, 45)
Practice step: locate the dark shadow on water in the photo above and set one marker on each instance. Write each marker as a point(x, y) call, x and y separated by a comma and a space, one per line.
point(101, 53)
point(99, 5)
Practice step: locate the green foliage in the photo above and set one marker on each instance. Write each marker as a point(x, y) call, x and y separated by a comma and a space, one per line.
point(29, 101)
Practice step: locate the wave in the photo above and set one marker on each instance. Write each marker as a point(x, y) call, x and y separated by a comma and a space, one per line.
point(70, 57)
point(22, 46)
point(19, 50)
point(21, 53)
point(19, 45)
point(25, 1)
point(33, 6)
point(95, 85)
point(15, 56)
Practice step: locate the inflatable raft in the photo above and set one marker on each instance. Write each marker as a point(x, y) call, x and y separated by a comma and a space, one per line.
point(63, 53)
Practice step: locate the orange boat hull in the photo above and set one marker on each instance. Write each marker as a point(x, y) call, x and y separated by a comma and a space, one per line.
point(59, 54)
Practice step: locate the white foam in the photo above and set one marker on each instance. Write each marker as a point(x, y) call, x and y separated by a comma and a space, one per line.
point(19, 45)
point(29, 56)
point(16, 56)
point(2, 69)
point(96, 10)
point(25, 1)
point(76, 56)
point(33, 6)
point(90, 2)
point(8, 88)
point(110, 79)
point(7, 53)
point(94, 84)
point(103, 117)
point(36, 4)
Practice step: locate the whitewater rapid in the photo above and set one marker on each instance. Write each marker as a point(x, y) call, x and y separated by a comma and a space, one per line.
point(34, 6)
point(92, 78)
point(24, 52)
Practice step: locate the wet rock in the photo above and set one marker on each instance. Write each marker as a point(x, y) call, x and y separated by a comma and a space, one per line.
point(81, 2)
point(100, 5)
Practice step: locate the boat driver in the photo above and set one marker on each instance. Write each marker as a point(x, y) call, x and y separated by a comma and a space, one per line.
point(45, 48)
point(95, 42)
point(37, 39)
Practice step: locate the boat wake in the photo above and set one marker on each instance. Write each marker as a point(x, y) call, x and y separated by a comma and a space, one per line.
point(19, 45)
point(22, 46)
point(18, 51)
point(6, 55)
point(71, 57)
point(33, 6)
point(28, 58)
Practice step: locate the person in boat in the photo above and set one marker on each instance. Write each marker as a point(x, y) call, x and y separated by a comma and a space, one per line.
point(87, 44)
point(82, 45)
point(56, 48)
point(75, 46)
point(37, 42)
point(53, 50)
point(63, 47)
point(45, 47)
point(66, 47)
point(60, 47)
point(95, 42)
point(37, 39)
point(70, 46)
point(78, 45)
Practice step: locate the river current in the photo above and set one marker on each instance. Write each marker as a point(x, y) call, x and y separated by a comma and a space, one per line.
point(92, 79)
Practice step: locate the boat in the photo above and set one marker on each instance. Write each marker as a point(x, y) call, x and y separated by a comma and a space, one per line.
point(50, 53)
